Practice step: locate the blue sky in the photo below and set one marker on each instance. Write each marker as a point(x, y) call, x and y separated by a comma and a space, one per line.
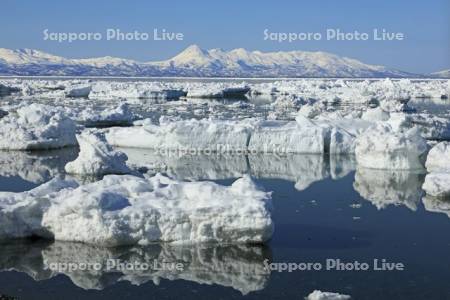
point(234, 24)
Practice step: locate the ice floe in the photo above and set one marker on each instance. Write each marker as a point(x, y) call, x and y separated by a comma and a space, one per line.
point(375, 115)
point(136, 90)
point(216, 90)
point(319, 295)
point(36, 126)
point(127, 210)
point(200, 135)
point(117, 116)
point(387, 146)
point(287, 137)
point(311, 110)
point(438, 159)
point(78, 91)
point(7, 90)
point(97, 157)
point(256, 136)
point(437, 184)
point(341, 142)
point(431, 127)
point(3, 113)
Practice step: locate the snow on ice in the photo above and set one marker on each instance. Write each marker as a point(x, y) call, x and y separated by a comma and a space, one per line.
point(127, 210)
point(438, 159)
point(437, 184)
point(78, 91)
point(388, 145)
point(97, 157)
point(319, 295)
point(36, 126)
point(118, 116)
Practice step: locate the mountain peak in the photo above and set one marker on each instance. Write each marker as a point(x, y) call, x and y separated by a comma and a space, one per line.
point(240, 51)
point(193, 50)
point(191, 55)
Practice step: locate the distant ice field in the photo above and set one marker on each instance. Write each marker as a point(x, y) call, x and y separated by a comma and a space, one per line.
point(361, 196)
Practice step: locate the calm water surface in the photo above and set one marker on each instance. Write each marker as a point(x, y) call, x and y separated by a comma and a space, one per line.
point(323, 209)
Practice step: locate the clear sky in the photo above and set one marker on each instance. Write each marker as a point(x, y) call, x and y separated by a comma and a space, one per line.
point(236, 24)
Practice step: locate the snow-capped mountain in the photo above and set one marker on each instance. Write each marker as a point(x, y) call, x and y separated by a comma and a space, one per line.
point(195, 61)
point(442, 74)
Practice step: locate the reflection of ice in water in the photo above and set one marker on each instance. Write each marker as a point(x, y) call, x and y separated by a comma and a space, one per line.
point(188, 167)
point(341, 165)
point(36, 167)
point(389, 187)
point(303, 169)
point(240, 267)
point(435, 106)
point(437, 205)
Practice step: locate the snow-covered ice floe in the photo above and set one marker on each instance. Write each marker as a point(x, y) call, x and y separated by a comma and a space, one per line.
point(437, 184)
point(118, 116)
point(97, 157)
point(186, 134)
point(319, 295)
point(78, 91)
point(216, 90)
point(7, 90)
point(341, 133)
point(249, 135)
point(438, 159)
point(240, 267)
point(36, 126)
point(388, 142)
point(3, 113)
point(127, 210)
point(432, 127)
point(287, 137)
point(136, 90)
point(375, 115)
point(389, 146)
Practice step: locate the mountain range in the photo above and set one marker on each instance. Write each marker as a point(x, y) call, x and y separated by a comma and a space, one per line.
point(196, 62)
